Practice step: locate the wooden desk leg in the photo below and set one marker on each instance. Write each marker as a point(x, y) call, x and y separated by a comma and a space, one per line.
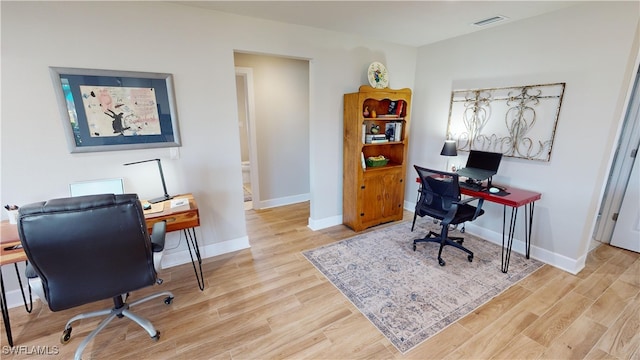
point(506, 251)
point(5, 312)
point(190, 235)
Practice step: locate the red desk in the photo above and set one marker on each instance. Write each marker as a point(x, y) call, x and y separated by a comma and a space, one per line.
point(515, 199)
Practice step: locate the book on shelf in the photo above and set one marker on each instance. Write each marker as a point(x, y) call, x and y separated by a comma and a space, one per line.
point(398, 132)
point(389, 130)
point(399, 108)
point(392, 107)
point(394, 110)
point(374, 137)
point(364, 133)
point(378, 141)
point(393, 131)
point(364, 164)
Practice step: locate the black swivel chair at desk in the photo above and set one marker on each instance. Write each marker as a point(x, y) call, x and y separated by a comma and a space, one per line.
point(440, 199)
point(90, 248)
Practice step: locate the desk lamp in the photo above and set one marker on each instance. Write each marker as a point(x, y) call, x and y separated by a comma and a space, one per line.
point(164, 185)
point(448, 150)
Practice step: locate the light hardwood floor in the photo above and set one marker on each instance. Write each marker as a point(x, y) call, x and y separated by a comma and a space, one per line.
point(269, 302)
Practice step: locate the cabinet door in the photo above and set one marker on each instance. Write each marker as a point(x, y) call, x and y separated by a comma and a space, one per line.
point(393, 194)
point(381, 196)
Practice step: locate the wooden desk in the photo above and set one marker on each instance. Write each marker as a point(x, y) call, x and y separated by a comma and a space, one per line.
point(184, 218)
point(179, 218)
point(9, 238)
point(515, 199)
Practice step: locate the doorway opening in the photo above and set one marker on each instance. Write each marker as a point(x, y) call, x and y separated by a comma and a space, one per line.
point(273, 121)
point(620, 176)
point(246, 124)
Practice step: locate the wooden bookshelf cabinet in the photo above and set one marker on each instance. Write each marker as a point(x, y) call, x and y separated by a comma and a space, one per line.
point(374, 195)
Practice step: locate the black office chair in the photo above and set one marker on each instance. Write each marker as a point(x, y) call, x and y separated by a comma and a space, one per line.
point(439, 198)
point(90, 248)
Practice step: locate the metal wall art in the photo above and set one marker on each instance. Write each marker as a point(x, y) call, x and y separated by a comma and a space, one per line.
point(515, 121)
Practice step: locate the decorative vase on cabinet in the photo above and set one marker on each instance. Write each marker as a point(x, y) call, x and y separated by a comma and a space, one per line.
point(374, 194)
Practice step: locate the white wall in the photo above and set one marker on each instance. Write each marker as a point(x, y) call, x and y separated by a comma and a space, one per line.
point(197, 47)
point(590, 47)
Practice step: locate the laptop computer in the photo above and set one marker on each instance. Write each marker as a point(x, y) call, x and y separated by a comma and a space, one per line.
point(481, 165)
point(95, 187)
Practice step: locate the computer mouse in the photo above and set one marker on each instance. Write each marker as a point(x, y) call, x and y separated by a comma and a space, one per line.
point(494, 190)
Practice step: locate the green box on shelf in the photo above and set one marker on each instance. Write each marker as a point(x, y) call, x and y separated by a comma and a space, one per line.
point(376, 163)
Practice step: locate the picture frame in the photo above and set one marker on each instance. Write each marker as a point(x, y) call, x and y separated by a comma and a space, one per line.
point(105, 110)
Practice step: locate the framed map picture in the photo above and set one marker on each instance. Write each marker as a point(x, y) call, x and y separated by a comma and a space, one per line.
point(105, 110)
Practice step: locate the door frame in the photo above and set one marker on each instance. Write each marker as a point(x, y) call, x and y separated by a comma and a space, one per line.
point(246, 74)
point(626, 149)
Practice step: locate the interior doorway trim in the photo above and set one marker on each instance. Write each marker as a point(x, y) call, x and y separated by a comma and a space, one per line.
point(247, 75)
point(622, 162)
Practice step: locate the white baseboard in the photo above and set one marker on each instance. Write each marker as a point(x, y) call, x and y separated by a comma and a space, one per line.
point(207, 251)
point(14, 297)
point(562, 262)
point(324, 223)
point(288, 200)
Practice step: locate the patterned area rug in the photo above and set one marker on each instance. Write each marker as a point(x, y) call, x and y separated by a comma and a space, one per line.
point(406, 294)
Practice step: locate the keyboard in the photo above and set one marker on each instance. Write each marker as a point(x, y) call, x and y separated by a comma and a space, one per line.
point(471, 186)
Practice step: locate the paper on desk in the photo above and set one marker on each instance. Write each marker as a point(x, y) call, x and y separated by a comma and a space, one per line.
point(155, 208)
point(180, 202)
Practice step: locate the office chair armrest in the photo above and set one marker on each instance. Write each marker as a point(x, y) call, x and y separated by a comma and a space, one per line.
point(469, 199)
point(453, 209)
point(35, 283)
point(158, 236)
point(478, 207)
point(30, 272)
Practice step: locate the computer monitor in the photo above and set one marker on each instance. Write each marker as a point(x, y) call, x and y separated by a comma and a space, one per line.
point(481, 165)
point(95, 187)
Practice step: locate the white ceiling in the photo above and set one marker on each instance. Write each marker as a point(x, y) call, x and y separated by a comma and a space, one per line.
point(413, 23)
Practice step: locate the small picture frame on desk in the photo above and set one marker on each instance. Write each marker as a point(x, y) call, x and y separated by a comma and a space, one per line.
point(104, 110)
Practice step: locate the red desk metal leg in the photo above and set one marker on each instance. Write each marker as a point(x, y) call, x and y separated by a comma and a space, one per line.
point(528, 226)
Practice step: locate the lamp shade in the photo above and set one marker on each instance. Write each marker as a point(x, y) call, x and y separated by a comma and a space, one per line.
point(449, 148)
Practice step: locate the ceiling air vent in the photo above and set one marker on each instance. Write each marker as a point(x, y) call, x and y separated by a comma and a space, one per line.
point(491, 20)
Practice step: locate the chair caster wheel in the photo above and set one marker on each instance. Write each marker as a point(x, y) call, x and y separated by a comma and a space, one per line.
point(156, 337)
point(66, 336)
point(414, 247)
point(470, 257)
point(168, 300)
point(441, 262)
